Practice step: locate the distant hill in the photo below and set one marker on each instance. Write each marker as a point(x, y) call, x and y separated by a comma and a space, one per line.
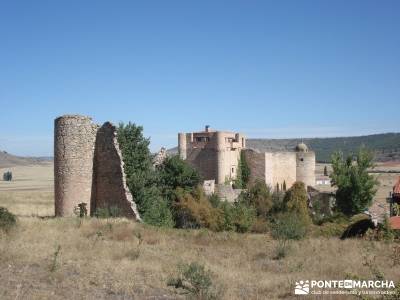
point(8, 160)
point(386, 146)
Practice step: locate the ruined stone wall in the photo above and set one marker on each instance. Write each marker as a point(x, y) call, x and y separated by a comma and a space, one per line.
point(109, 182)
point(88, 167)
point(74, 143)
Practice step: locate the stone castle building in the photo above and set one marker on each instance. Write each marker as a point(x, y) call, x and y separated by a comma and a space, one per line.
point(88, 165)
point(215, 154)
point(88, 168)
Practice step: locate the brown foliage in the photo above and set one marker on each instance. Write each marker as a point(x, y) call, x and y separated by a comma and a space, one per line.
point(195, 210)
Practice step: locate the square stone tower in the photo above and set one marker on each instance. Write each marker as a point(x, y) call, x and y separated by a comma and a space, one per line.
point(215, 154)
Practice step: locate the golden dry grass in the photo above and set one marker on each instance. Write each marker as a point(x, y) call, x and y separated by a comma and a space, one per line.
point(120, 259)
point(31, 192)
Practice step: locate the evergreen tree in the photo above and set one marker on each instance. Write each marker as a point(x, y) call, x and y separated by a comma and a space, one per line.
point(137, 159)
point(296, 200)
point(175, 173)
point(243, 172)
point(325, 171)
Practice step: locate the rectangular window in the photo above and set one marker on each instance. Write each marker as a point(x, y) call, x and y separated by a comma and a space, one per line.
point(202, 139)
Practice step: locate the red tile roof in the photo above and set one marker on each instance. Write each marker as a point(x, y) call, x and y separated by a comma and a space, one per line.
point(396, 188)
point(395, 222)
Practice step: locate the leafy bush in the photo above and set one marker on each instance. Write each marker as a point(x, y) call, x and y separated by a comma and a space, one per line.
point(289, 226)
point(355, 186)
point(158, 214)
point(175, 173)
point(383, 232)
point(258, 196)
point(7, 219)
point(215, 200)
point(331, 226)
point(82, 209)
point(193, 210)
point(7, 176)
point(260, 226)
point(296, 201)
point(328, 229)
point(242, 217)
point(195, 280)
point(278, 204)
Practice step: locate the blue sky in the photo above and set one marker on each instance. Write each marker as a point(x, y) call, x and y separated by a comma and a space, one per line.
point(266, 68)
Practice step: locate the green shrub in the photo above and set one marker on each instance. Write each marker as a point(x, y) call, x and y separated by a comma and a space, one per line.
point(228, 216)
point(383, 232)
point(258, 196)
point(260, 225)
point(195, 280)
point(158, 214)
point(328, 229)
point(289, 226)
point(7, 176)
point(82, 209)
point(175, 173)
point(215, 200)
point(356, 188)
point(296, 201)
point(7, 219)
point(278, 204)
point(193, 210)
point(243, 217)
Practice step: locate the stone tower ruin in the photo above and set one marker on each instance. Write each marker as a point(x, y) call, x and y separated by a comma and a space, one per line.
point(88, 168)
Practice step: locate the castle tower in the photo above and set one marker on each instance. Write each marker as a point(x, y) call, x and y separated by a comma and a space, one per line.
point(74, 144)
point(221, 157)
point(305, 165)
point(182, 144)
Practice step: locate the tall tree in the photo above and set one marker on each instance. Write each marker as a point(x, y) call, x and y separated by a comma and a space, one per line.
point(355, 186)
point(295, 201)
point(243, 172)
point(175, 173)
point(137, 162)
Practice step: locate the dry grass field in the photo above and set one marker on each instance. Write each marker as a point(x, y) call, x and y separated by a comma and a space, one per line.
point(70, 258)
point(31, 192)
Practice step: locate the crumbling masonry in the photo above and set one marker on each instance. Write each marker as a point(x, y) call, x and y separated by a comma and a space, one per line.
point(88, 168)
